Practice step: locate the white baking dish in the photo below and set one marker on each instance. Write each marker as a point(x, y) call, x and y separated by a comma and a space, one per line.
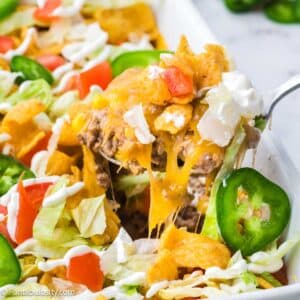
point(177, 17)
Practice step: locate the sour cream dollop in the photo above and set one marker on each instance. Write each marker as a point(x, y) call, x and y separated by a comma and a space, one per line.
point(232, 99)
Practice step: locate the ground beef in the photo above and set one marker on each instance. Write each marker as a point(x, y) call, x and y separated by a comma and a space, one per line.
point(189, 218)
point(135, 223)
point(196, 186)
point(207, 164)
point(159, 156)
point(95, 138)
point(102, 171)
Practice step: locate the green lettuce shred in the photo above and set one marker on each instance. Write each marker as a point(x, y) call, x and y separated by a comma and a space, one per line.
point(210, 227)
point(36, 89)
point(16, 21)
point(271, 279)
point(89, 216)
point(48, 217)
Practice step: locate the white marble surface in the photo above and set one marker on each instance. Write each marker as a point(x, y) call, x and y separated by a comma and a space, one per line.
point(269, 54)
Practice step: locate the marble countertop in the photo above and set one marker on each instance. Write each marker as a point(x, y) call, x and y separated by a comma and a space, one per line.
point(269, 54)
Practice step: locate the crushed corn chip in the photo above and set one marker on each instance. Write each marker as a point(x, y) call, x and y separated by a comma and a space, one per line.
point(19, 124)
point(60, 164)
point(192, 250)
point(137, 19)
point(164, 268)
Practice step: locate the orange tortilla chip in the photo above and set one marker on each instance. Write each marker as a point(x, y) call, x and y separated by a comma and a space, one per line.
point(60, 163)
point(192, 250)
point(164, 268)
point(89, 175)
point(137, 19)
point(20, 125)
point(68, 136)
point(211, 64)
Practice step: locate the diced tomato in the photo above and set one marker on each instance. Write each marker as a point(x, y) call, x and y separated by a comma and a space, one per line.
point(3, 228)
point(6, 44)
point(41, 145)
point(37, 192)
point(3, 210)
point(85, 269)
point(72, 83)
point(44, 14)
point(179, 84)
point(25, 217)
point(100, 75)
point(30, 200)
point(51, 61)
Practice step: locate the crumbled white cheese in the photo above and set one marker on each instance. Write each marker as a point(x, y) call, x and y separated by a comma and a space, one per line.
point(232, 99)
point(154, 72)
point(135, 118)
point(177, 119)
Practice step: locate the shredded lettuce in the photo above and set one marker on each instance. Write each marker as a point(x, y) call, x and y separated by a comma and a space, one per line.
point(260, 123)
point(249, 278)
point(89, 216)
point(62, 104)
point(36, 89)
point(271, 279)
point(135, 184)
point(7, 80)
point(210, 227)
point(16, 21)
point(270, 260)
point(48, 217)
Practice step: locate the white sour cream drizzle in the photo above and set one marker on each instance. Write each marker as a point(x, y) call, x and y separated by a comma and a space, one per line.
point(5, 199)
point(40, 160)
point(99, 59)
point(62, 70)
point(156, 287)
point(30, 35)
point(12, 212)
point(64, 81)
point(69, 11)
point(62, 194)
point(76, 251)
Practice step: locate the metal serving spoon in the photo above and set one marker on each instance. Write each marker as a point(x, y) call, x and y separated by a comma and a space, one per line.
point(282, 91)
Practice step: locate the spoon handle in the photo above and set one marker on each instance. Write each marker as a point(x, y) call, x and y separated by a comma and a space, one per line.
point(283, 90)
